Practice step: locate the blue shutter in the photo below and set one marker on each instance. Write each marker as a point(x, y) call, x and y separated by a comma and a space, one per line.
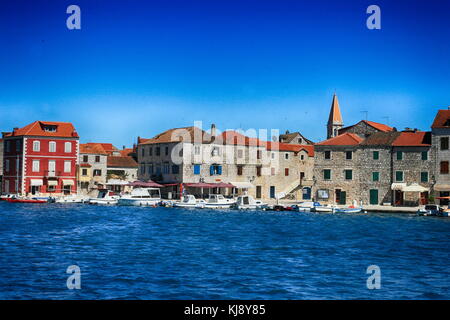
point(196, 169)
point(211, 170)
point(219, 170)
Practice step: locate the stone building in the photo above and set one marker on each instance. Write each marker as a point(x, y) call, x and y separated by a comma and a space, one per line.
point(384, 168)
point(440, 130)
point(294, 138)
point(365, 128)
point(230, 163)
point(93, 168)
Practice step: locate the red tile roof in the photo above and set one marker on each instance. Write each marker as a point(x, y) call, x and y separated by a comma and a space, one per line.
point(413, 139)
point(280, 146)
point(92, 148)
point(442, 119)
point(126, 152)
point(177, 135)
point(379, 126)
point(345, 139)
point(121, 162)
point(37, 128)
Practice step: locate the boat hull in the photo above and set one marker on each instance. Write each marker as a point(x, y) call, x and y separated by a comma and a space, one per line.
point(139, 202)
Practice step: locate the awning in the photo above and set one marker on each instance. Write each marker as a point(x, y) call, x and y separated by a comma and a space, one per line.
point(242, 185)
point(209, 185)
point(37, 182)
point(442, 187)
point(67, 182)
point(398, 186)
point(414, 187)
point(52, 183)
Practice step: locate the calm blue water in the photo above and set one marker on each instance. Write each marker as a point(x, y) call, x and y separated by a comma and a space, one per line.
point(166, 253)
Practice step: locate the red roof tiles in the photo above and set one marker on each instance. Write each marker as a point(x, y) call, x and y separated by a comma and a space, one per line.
point(46, 129)
point(413, 139)
point(442, 119)
point(345, 139)
point(92, 148)
point(121, 162)
point(379, 126)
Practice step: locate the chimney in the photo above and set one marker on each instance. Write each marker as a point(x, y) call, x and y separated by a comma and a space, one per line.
point(213, 130)
point(123, 147)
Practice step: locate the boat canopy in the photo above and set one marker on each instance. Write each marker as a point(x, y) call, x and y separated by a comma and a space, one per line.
point(148, 184)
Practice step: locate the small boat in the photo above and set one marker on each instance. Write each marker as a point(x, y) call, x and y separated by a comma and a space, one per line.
point(25, 200)
point(429, 210)
point(189, 201)
point(105, 197)
point(247, 202)
point(141, 197)
point(348, 210)
point(324, 209)
point(5, 197)
point(72, 199)
point(307, 206)
point(217, 201)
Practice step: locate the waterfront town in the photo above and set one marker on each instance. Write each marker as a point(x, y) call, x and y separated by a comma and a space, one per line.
point(366, 163)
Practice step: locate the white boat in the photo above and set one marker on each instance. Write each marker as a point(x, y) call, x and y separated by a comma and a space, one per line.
point(324, 209)
point(105, 197)
point(430, 210)
point(141, 197)
point(72, 199)
point(189, 201)
point(308, 206)
point(217, 201)
point(246, 202)
point(348, 210)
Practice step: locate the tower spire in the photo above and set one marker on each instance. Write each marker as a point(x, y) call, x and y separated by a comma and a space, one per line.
point(335, 119)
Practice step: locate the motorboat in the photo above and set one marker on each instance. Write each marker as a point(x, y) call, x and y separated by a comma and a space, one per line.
point(324, 209)
point(105, 197)
point(308, 206)
point(72, 199)
point(5, 197)
point(217, 201)
point(141, 197)
point(26, 200)
point(429, 210)
point(246, 202)
point(189, 201)
point(348, 210)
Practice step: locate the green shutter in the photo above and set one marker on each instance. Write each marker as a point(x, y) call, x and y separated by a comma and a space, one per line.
point(399, 176)
point(424, 176)
point(373, 196)
point(348, 174)
point(399, 155)
point(375, 176)
point(376, 155)
point(424, 155)
point(327, 174)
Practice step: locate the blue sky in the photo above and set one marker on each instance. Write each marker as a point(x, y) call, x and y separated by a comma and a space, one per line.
point(137, 68)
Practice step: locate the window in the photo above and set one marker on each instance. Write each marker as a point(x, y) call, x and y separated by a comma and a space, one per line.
point(258, 171)
point(399, 176)
point(52, 146)
point(197, 169)
point(258, 154)
point(68, 147)
point(97, 158)
point(84, 172)
point(143, 169)
point(36, 165)
point(376, 155)
point(158, 151)
point(97, 172)
point(150, 151)
point(143, 152)
point(348, 155)
point(273, 155)
point(272, 171)
point(36, 146)
point(85, 158)
point(166, 168)
point(18, 144)
point(7, 146)
point(424, 155)
point(215, 151)
point(375, 176)
point(286, 172)
point(175, 169)
point(444, 167)
point(239, 170)
point(302, 157)
point(167, 151)
point(6, 165)
point(424, 176)
point(302, 175)
point(197, 150)
point(326, 174)
point(67, 166)
point(399, 155)
point(444, 143)
point(286, 156)
point(348, 174)
point(50, 128)
point(150, 168)
point(215, 170)
point(327, 155)
point(240, 153)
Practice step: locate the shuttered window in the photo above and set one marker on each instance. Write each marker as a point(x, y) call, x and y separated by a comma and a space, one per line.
point(326, 174)
point(444, 167)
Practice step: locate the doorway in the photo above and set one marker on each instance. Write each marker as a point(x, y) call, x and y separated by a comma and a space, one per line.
point(258, 192)
point(373, 196)
point(340, 196)
point(272, 192)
